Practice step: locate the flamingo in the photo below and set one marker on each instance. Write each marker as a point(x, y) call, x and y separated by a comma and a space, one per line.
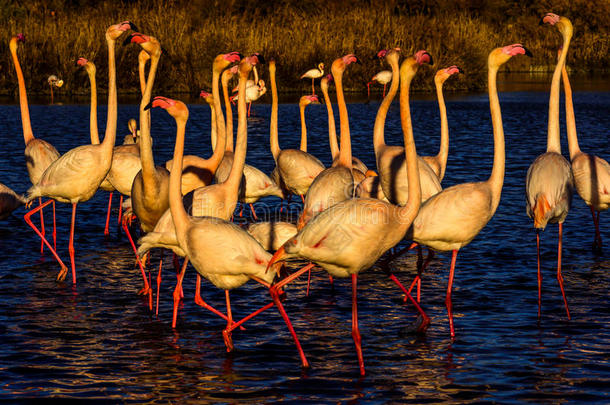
point(451, 219)
point(336, 183)
point(10, 201)
point(39, 154)
point(314, 74)
point(219, 250)
point(352, 235)
point(370, 187)
point(295, 168)
point(384, 77)
point(332, 132)
point(272, 235)
point(209, 99)
point(77, 174)
point(133, 136)
point(438, 163)
point(390, 159)
point(54, 81)
point(550, 182)
point(591, 173)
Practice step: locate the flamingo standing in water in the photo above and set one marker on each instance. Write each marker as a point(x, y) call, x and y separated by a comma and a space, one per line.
point(384, 77)
point(54, 81)
point(219, 250)
point(336, 183)
point(451, 219)
point(39, 154)
point(314, 74)
point(352, 235)
point(10, 201)
point(550, 183)
point(438, 163)
point(591, 173)
point(391, 159)
point(77, 174)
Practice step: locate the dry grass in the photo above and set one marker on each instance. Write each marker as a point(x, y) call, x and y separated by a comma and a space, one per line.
point(298, 34)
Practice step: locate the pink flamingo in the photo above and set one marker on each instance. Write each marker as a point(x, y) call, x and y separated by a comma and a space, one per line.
point(314, 74)
point(384, 77)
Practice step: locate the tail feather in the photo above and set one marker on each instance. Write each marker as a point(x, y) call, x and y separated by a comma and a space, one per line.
point(541, 208)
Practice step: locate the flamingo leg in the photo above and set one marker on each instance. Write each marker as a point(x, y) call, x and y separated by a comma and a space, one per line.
point(146, 289)
point(177, 291)
point(241, 210)
point(227, 336)
point(303, 198)
point(41, 226)
point(120, 208)
point(177, 268)
point(158, 287)
point(54, 227)
point(368, 90)
point(64, 270)
point(199, 301)
point(106, 230)
point(355, 331)
point(51, 94)
point(313, 90)
point(597, 242)
point(384, 86)
point(308, 282)
point(71, 243)
point(539, 273)
point(448, 302)
point(559, 276)
point(253, 212)
point(249, 107)
point(425, 319)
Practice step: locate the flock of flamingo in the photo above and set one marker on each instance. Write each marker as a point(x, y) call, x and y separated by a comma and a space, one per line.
point(351, 215)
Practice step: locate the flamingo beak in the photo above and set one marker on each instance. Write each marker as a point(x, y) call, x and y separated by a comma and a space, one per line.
point(278, 256)
point(148, 106)
point(528, 53)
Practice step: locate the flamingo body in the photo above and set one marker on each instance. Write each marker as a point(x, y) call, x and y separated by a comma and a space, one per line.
point(9, 201)
point(272, 235)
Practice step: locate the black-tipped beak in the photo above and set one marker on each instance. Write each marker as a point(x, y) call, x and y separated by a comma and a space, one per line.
point(541, 22)
point(133, 26)
point(358, 60)
point(128, 39)
point(261, 59)
point(148, 106)
point(431, 62)
point(164, 52)
point(527, 52)
point(460, 70)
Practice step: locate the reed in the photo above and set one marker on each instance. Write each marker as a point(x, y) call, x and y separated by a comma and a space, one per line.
point(297, 33)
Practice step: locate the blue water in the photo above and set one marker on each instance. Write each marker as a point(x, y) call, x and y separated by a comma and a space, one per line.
point(98, 340)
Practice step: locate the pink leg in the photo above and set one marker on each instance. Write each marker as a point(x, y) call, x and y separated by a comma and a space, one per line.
point(146, 289)
point(308, 282)
point(597, 242)
point(384, 86)
point(355, 330)
point(227, 336)
point(449, 287)
point(120, 208)
point(41, 226)
point(253, 212)
point(302, 198)
point(199, 301)
point(313, 89)
point(539, 273)
point(177, 268)
point(106, 230)
point(331, 281)
point(177, 292)
point(425, 319)
point(54, 227)
point(71, 243)
point(241, 210)
point(249, 107)
point(158, 287)
point(559, 276)
point(64, 270)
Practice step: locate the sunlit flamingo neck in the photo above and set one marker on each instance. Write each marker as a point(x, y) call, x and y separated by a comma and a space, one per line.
point(332, 131)
point(143, 58)
point(239, 159)
point(227, 74)
point(303, 102)
point(570, 118)
point(93, 131)
point(26, 124)
point(378, 129)
point(345, 145)
point(273, 130)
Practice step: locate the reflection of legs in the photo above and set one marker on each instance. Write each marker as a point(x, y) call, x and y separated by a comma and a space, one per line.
point(71, 243)
point(597, 242)
point(158, 286)
point(420, 269)
point(559, 276)
point(106, 230)
point(355, 330)
point(539, 273)
point(28, 220)
point(146, 289)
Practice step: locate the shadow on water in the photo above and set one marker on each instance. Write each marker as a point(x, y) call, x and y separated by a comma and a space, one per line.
point(98, 341)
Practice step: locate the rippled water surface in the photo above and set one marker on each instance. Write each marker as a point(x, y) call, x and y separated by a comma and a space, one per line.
point(99, 341)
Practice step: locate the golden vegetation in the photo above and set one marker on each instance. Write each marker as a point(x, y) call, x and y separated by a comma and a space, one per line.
point(297, 33)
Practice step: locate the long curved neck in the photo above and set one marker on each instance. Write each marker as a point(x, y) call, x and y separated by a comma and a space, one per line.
point(142, 72)
point(553, 143)
point(213, 135)
point(111, 118)
point(176, 206)
point(95, 137)
point(496, 179)
point(146, 154)
point(410, 209)
point(239, 160)
point(345, 149)
point(220, 119)
point(303, 146)
point(332, 130)
point(570, 119)
point(229, 113)
point(273, 136)
point(217, 141)
point(28, 134)
point(443, 151)
point(378, 137)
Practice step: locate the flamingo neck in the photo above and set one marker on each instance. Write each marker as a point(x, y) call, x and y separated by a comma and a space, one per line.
point(93, 132)
point(142, 73)
point(179, 215)
point(553, 142)
point(213, 136)
point(410, 209)
point(229, 113)
point(146, 153)
point(303, 128)
point(273, 136)
point(111, 118)
point(239, 159)
point(345, 146)
point(443, 151)
point(332, 131)
point(28, 134)
point(496, 179)
point(570, 119)
point(378, 129)
point(220, 119)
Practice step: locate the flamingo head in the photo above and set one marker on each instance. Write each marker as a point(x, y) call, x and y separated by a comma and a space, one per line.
point(175, 108)
point(422, 57)
point(289, 249)
point(255, 59)
point(81, 62)
point(501, 55)
point(147, 42)
point(309, 99)
point(115, 30)
point(550, 18)
point(340, 64)
point(385, 52)
point(563, 24)
point(261, 85)
point(223, 60)
point(444, 74)
point(132, 125)
point(15, 40)
point(204, 94)
point(20, 37)
point(324, 82)
point(321, 67)
point(370, 173)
